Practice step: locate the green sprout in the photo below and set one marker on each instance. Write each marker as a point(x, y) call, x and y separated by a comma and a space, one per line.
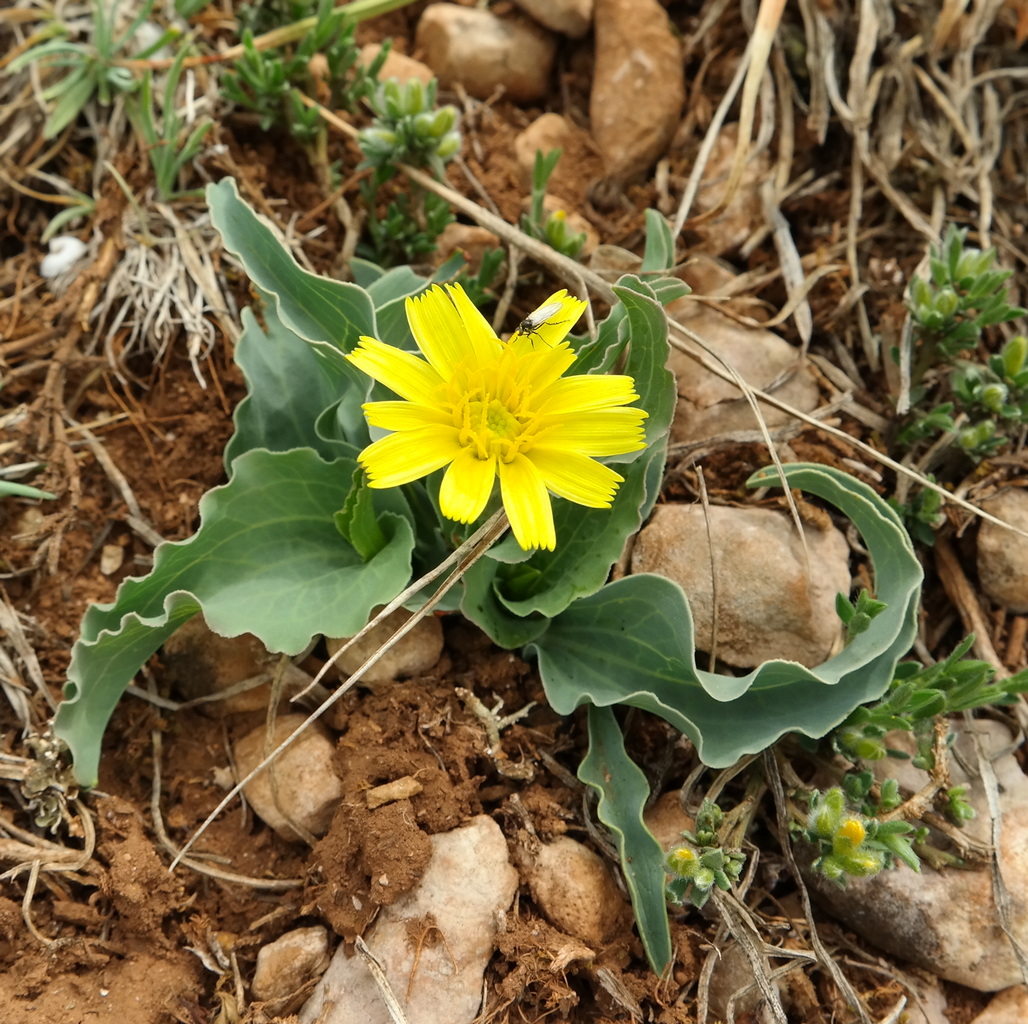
point(549, 228)
point(858, 617)
point(92, 68)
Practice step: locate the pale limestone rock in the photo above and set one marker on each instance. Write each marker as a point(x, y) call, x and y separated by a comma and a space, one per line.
point(708, 405)
point(484, 52)
point(638, 85)
point(290, 962)
point(416, 653)
point(466, 889)
point(469, 239)
point(1003, 554)
point(575, 891)
point(570, 18)
point(768, 607)
point(1007, 1007)
point(946, 921)
point(200, 663)
point(744, 212)
point(396, 65)
point(305, 783)
point(666, 820)
point(547, 132)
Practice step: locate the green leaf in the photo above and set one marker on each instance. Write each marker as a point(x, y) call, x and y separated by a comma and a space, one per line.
point(279, 414)
point(331, 315)
point(10, 489)
point(659, 254)
point(632, 643)
point(266, 560)
point(623, 793)
point(358, 521)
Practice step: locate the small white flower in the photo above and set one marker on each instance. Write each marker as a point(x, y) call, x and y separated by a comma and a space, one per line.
point(65, 251)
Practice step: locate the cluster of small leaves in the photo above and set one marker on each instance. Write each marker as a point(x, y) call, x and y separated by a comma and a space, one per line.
point(479, 285)
point(922, 514)
point(91, 67)
point(949, 313)
point(916, 696)
point(407, 129)
point(858, 617)
point(549, 228)
point(273, 83)
point(702, 862)
point(851, 844)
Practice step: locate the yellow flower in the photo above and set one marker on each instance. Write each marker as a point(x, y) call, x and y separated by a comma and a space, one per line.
point(486, 408)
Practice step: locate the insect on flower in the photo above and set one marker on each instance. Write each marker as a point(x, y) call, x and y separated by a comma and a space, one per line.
point(487, 410)
point(531, 324)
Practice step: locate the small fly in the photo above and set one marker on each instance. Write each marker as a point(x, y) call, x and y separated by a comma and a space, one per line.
point(531, 324)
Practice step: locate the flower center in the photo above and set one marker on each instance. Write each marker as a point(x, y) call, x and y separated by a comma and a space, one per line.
point(489, 427)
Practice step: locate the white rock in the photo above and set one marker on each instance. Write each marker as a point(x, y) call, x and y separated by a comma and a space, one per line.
point(416, 653)
point(1002, 554)
point(1008, 1007)
point(396, 65)
point(306, 785)
point(946, 921)
point(570, 18)
point(289, 962)
point(547, 132)
point(638, 85)
point(768, 607)
point(575, 891)
point(65, 252)
point(466, 889)
point(484, 52)
point(200, 663)
point(709, 406)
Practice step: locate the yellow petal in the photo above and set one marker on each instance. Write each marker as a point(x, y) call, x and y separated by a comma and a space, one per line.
point(587, 392)
point(409, 455)
point(406, 374)
point(444, 336)
point(547, 325)
point(527, 504)
point(608, 432)
point(466, 487)
point(404, 415)
point(576, 477)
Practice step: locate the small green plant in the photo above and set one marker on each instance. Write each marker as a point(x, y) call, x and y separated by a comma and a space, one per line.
point(858, 617)
point(703, 861)
point(92, 67)
point(550, 228)
point(271, 82)
point(922, 513)
point(949, 313)
point(852, 845)
point(407, 129)
point(167, 156)
point(916, 696)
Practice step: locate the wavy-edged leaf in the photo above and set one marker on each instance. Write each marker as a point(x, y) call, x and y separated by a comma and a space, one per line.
point(632, 643)
point(623, 791)
point(266, 560)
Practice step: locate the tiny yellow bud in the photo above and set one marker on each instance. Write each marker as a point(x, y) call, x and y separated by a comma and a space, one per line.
point(852, 831)
point(682, 861)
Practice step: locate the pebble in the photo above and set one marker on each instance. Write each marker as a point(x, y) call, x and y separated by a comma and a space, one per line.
point(666, 820)
point(305, 780)
point(416, 653)
point(1002, 554)
point(575, 891)
point(200, 663)
point(65, 252)
point(768, 607)
point(744, 212)
point(571, 18)
point(709, 406)
point(547, 132)
point(485, 53)
point(1008, 1007)
point(945, 921)
point(465, 891)
point(396, 65)
point(469, 239)
point(638, 85)
point(290, 962)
